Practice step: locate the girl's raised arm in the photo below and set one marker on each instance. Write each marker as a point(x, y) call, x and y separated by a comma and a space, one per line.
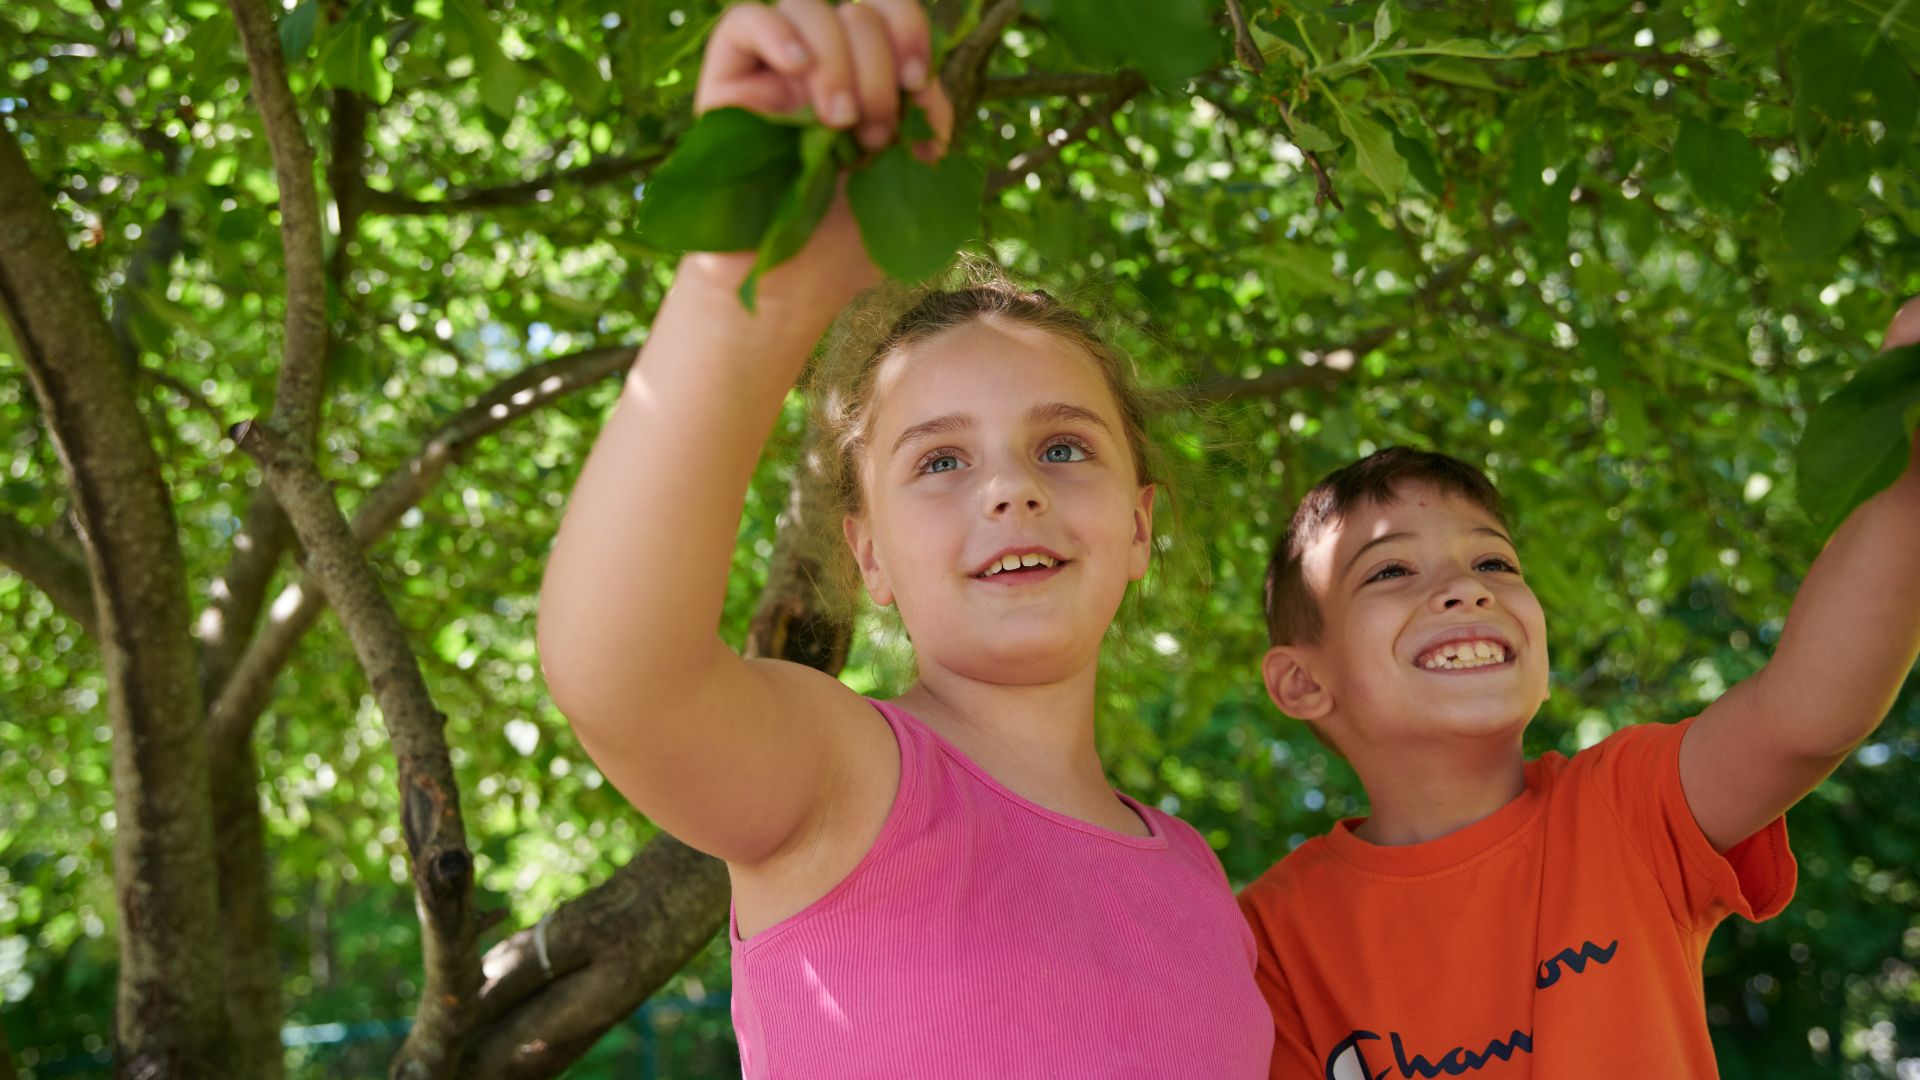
point(735, 757)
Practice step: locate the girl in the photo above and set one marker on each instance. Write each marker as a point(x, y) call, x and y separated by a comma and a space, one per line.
point(943, 885)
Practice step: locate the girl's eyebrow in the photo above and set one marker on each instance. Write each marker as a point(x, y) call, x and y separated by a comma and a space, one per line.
point(1053, 412)
point(939, 425)
point(1060, 412)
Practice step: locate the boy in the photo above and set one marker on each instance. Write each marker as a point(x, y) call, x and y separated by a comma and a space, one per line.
point(1504, 918)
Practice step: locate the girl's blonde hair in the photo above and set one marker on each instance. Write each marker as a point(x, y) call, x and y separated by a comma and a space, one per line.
point(892, 318)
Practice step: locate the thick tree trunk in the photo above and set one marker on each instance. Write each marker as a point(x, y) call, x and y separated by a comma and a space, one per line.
point(246, 915)
point(171, 1021)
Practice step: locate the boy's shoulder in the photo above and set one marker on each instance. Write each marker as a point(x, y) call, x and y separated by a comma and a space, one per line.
point(1610, 768)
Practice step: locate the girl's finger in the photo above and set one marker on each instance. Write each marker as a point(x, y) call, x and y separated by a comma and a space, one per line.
point(752, 45)
point(939, 109)
point(830, 83)
point(1905, 328)
point(912, 45)
point(875, 73)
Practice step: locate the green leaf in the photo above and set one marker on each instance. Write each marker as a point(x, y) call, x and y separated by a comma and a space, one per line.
point(1448, 69)
point(804, 204)
point(723, 185)
point(1384, 21)
point(1525, 163)
point(1374, 152)
point(1308, 137)
point(1420, 163)
point(350, 57)
point(297, 27)
point(501, 79)
point(1816, 225)
point(1723, 167)
point(577, 72)
point(1168, 41)
point(914, 216)
point(1858, 441)
point(1300, 270)
point(1827, 65)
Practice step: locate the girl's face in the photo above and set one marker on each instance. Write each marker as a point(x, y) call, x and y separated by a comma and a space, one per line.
point(996, 445)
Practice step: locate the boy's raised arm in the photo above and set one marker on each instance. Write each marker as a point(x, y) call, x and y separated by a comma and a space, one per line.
point(1849, 641)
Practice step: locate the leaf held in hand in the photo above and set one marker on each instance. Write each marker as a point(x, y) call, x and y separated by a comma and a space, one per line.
point(1858, 440)
point(914, 216)
point(804, 204)
point(723, 185)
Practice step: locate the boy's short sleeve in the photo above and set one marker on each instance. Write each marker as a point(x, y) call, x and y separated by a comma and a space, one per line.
point(1292, 1048)
point(1636, 772)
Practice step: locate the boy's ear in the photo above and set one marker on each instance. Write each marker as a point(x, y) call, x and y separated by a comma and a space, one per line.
point(860, 539)
point(1292, 685)
point(1141, 552)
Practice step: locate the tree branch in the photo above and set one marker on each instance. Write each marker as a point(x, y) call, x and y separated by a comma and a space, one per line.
point(1244, 48)
point(227, 623)
point(605, 952)
point(247, 691)
point(967, 60)
point(429, 796)
point(1047, 84)
point(535, 190)
point(59, 573)
point(297, 398)
point(1027, 161)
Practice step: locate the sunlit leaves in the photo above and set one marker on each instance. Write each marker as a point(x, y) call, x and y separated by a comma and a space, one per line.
point(1168, 41)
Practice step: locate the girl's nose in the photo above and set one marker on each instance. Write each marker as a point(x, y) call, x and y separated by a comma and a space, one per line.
point(1014, 489)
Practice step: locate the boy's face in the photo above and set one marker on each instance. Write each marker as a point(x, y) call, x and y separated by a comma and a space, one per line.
point(1427, 628)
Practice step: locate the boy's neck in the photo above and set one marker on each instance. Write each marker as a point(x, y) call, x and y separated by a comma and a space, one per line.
point(1437, 788)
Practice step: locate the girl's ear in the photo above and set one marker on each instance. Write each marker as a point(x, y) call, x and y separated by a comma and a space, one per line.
point(1292, 685)
point(1141, 551)
point(860, 539)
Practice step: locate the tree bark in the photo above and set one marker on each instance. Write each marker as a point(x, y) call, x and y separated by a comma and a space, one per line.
point(253, 1002)
point(429, 796)
point(171, 1021)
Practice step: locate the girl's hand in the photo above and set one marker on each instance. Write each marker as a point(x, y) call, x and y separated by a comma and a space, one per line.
point(849, 65)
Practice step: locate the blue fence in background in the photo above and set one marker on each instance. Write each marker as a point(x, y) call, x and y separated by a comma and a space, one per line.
point(664, 1039)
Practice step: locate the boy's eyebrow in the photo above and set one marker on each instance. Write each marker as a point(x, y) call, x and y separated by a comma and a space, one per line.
point(939, 425)
point(1486, 530)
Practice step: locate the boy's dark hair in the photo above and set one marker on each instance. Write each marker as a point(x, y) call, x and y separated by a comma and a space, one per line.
point(1293, 615)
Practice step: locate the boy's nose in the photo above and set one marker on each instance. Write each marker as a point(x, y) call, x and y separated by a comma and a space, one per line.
point(1463, 591)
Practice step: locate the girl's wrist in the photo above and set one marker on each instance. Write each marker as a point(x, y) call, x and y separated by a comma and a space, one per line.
point(785, 306)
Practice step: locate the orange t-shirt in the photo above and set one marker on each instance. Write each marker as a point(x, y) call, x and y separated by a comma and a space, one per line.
point(1560, 937)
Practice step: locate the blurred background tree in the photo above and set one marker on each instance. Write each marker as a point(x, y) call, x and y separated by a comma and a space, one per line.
point(1612, 250)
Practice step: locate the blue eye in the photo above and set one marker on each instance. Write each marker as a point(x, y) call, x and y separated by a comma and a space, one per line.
point(1388, 572)
point(1062, 452)
point(942, 463)
point(1498, 564)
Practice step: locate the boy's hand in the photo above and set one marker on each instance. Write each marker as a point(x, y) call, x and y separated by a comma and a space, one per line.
point(1848, 644)
point(849, 65)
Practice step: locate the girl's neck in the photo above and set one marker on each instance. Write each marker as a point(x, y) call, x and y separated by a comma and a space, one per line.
point(1036, 740)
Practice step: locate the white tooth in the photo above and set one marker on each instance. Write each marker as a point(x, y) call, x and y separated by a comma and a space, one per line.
point(1048, 560)
point(1011, 562)
point(1499, 655)
point(1030, 559)
point(1482, 650)
point(991, 570)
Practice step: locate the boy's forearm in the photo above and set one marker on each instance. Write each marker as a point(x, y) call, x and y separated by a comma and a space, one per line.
point(1853, 631)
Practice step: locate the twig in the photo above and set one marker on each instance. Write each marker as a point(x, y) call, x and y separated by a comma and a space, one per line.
point(56, 571)
point(1244, 47)
point(1028, 160)
point(527, 191)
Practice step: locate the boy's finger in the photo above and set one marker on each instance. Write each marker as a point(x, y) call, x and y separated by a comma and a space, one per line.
point(874, 73)
point(907, 30)
point(830, 83)
point(1905, 328)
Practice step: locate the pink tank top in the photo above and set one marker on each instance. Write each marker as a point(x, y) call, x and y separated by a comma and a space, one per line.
point(983, 936)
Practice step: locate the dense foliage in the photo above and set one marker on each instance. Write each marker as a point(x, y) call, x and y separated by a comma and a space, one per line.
point(1613, 250)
